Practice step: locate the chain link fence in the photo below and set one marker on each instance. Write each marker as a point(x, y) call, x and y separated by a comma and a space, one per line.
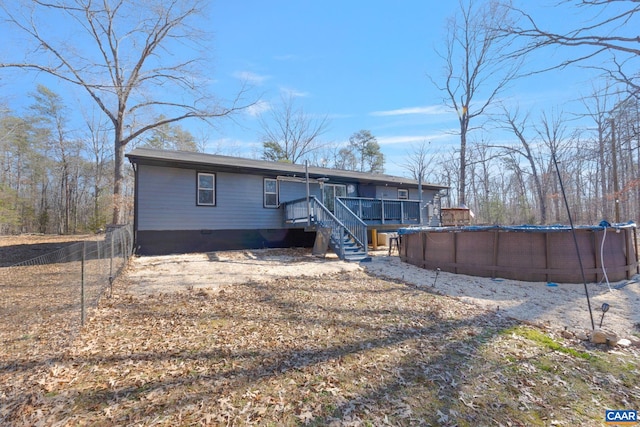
point(44, 301)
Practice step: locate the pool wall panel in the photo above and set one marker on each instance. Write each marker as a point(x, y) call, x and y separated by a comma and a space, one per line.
point(533, 254)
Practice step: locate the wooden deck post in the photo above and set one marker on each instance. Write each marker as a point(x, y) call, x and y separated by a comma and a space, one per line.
point(374, 239)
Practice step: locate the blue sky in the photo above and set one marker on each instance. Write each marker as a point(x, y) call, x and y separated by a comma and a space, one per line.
point(364, 65)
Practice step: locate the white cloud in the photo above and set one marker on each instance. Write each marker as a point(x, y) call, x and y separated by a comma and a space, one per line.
point(258, 108)
point(428, 110)
point(293, 92)
point(250, 77)
point(400, 139)
point(407, 139)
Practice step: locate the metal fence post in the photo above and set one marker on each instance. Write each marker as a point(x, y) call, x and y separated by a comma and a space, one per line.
point(82, 314)
point(111, 268)
point(123, 245)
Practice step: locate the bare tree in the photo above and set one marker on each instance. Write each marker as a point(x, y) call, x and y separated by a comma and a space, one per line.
point(289, 134)
point(552, 132)
point(513, 122)
point(418, 161)
point(485, 200)
point(609, 27)
point(131, 57)
point(598, 109)
point(517, 189)
point(476, 69)
point(52, 117)
point(449, 167)
point(97, 148)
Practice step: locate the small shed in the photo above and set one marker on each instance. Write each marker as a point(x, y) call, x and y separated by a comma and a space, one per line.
point(454, 217)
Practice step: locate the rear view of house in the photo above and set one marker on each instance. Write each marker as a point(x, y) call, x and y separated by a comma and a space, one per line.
point(194, 202)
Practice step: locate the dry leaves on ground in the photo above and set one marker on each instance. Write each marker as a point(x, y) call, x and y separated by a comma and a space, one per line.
point(341, 349)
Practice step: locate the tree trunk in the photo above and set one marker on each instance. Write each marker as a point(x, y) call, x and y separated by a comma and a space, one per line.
point(541, 197)
point(463, 163)
point(557, 196)
point(118, 181)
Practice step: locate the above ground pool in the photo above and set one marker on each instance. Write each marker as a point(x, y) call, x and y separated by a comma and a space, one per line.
point(525, 252)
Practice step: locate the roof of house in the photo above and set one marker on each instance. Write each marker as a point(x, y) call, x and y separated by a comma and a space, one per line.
point(187, 159)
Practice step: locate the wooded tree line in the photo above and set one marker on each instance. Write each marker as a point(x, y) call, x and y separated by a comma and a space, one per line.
point(518, 183)
point(597, 153)
point(53, 179)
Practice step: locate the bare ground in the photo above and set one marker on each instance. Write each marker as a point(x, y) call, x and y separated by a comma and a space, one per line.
point(563, 306)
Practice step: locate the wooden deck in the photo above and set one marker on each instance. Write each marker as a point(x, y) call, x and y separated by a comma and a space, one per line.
point(375, 213)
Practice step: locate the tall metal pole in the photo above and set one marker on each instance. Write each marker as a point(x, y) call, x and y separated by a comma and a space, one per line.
point(575, 239)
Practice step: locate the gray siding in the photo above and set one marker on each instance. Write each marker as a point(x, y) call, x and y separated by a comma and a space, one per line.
point(389, 192)
point(427, 195)
point(290, 190)
point(384, 192)
point(167, 201)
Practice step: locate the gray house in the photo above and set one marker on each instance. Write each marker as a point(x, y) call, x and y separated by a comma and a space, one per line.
point(194, 202)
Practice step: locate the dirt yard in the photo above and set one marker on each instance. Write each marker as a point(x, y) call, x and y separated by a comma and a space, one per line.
point(563, 306)
point(219, 270)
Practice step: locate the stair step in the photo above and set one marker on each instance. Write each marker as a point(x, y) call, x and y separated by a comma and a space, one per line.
point(361, 257)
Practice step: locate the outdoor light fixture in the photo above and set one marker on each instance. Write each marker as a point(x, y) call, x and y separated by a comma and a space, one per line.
point(436, 278)
point(605, 308)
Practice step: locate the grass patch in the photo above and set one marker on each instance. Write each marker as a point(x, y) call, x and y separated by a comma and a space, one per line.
point(543, 340)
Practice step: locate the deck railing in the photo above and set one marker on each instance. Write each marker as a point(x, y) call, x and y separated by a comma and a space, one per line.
point(383, 211)
point(298, 211)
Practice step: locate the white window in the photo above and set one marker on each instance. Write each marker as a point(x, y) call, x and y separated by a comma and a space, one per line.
point(403, 194)
point(206, 189)
point(270, 193)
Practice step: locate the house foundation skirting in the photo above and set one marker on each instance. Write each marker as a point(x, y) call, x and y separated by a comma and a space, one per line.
point(164, 242)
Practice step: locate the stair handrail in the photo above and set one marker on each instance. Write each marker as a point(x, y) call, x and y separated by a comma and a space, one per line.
point(320, 215)
point(356, 227)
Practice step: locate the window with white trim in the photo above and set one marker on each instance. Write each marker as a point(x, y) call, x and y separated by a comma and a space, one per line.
point(206, 189)
point(403, 194)
point(270, 193)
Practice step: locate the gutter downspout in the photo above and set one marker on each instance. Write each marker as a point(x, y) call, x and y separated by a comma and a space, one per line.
point(136, 180)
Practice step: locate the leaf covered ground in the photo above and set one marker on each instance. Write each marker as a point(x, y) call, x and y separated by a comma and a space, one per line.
point(342, 349)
